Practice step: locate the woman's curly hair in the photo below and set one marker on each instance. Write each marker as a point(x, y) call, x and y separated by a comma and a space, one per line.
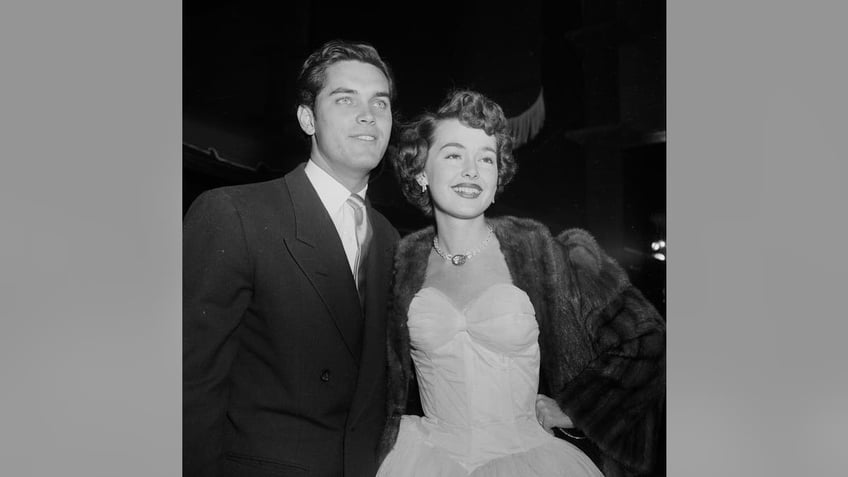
point(472, 109)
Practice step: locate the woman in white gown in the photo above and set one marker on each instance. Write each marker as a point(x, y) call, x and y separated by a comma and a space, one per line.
point(480, 305)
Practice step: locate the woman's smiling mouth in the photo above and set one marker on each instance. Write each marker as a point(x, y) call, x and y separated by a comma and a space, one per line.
point(468, 191)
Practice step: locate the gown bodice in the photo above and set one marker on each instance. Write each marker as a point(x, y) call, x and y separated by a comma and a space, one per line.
point(479, 364)
point(477, 368)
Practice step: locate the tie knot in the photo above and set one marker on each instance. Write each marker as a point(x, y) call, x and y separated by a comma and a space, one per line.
point(356, 202)
point(358, 205)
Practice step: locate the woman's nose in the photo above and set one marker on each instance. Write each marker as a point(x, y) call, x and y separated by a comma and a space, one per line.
point(470, 170)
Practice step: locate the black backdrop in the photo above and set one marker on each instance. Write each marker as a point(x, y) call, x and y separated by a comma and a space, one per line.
point(598, 162)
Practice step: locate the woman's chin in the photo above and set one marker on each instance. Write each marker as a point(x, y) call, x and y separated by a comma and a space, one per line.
point(462, 213)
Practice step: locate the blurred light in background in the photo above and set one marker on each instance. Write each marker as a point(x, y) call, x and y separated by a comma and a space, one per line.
point(659, 250)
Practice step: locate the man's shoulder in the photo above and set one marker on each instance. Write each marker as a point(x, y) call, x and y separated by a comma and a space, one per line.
point(255, 188)
point(256, 199)
point(245, 193)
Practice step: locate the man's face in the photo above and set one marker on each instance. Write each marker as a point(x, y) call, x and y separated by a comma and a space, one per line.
point(351, 121)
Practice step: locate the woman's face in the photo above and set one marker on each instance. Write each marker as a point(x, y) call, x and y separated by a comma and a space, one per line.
point(461, 169)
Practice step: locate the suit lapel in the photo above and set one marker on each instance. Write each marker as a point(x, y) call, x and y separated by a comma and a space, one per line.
point(318, 251)
point(373, 364)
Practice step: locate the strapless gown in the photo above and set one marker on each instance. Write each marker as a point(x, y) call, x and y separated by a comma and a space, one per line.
point(478, 373)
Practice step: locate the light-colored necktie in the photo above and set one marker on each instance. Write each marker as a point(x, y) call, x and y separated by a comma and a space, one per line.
point(356, 203)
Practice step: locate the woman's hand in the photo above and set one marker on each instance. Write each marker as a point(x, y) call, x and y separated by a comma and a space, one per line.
point(550, 415)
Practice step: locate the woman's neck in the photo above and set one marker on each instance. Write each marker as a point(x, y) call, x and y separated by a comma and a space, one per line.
point(460, 235)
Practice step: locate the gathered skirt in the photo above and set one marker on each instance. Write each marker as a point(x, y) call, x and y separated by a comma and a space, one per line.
point(422, 451)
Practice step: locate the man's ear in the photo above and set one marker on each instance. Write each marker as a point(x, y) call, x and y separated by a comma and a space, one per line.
point(306, 119)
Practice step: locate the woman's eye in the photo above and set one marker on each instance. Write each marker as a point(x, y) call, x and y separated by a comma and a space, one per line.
point(489, 160)
point(453, 156)
point(344, 100)
point(381, 104)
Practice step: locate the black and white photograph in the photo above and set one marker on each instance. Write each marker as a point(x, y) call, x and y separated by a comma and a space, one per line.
point(424, 244)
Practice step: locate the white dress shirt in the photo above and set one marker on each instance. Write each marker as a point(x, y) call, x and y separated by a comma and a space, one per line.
point(334, 197)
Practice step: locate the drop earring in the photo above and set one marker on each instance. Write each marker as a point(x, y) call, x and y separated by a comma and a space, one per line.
point(422, 181)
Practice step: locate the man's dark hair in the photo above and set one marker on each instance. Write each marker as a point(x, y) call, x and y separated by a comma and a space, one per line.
point(313, 72)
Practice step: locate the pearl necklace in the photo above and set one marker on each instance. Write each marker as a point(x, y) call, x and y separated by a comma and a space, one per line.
point(460, 258)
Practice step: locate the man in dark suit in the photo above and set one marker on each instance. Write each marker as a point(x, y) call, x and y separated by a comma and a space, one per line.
point(285, 292)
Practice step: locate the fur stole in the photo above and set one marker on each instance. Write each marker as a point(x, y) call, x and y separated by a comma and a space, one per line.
point(602, 344)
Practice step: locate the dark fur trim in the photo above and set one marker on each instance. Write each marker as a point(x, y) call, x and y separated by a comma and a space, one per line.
point(617, 398)
point(589, 270)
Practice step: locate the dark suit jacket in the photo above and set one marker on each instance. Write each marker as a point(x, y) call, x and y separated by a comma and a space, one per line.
point(283, 372)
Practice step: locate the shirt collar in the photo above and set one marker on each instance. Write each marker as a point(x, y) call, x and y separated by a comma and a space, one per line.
point(331, 192)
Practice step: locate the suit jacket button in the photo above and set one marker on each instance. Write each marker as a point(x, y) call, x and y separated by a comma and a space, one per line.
point(325, 375)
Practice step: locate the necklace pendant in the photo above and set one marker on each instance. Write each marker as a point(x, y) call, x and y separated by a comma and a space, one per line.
point(459, 259)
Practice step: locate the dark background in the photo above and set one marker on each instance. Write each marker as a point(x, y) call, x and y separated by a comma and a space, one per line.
point(599, 162)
